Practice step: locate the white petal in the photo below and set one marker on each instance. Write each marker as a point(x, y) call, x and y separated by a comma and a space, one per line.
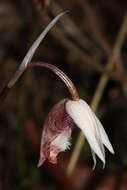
point(104, 137)
point(96, 129)
point(80, 112)
point(94, 159)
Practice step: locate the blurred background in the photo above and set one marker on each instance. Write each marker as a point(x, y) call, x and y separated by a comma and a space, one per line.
point(81, 45)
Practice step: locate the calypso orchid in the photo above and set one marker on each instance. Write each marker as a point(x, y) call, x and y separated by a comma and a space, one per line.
point(65, 115)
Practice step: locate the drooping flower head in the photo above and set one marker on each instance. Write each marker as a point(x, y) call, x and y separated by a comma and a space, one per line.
point(66, 114)
point(58, 127)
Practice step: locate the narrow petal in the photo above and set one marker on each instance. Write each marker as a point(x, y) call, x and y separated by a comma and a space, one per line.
point(79, 112)
point(104, 137)
point(94, 159)
point(96, 129)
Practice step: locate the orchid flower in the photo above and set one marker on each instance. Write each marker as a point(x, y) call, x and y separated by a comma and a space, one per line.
point(65, 115)
point(58, 127)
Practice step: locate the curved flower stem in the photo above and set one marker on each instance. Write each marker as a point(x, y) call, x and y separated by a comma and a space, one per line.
point(98, 94)
point(61, 74)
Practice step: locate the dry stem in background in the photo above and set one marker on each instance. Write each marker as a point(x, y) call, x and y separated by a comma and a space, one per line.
point(95, 26)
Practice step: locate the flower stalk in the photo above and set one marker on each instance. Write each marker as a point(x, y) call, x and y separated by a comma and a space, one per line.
point(62, 76)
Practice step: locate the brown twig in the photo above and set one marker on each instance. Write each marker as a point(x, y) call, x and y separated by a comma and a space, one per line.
point(97, 96)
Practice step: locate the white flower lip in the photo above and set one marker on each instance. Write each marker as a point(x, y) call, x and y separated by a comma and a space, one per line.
point(92, 128)
point(62, 142)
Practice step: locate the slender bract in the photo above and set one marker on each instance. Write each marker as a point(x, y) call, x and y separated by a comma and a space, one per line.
point(27, 59)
